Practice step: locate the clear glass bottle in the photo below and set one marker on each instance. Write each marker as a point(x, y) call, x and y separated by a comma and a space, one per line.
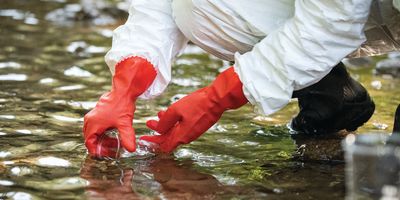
point(110, 147)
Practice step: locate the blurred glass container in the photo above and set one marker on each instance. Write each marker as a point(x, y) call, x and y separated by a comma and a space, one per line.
point(110, 148)
point(372, 166)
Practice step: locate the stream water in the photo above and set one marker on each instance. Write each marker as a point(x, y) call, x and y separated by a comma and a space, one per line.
point(52, 72)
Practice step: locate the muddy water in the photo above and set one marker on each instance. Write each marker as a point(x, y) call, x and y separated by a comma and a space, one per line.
point(51, 74)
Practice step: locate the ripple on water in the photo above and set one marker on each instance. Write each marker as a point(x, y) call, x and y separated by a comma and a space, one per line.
point(77, 72)
point(83, 104)
point(7, 117)
point(70, 87)
point(6, 183)
point(226, 180)
point(52, 162)
point(187, 62)
point(24, 131)
point(13, 77)
point(186, 82)
point(226, 141)
point(13, 13)
point(18, 196)
point(68, 183)
point(106, 33)
point(83, 49)
point(65, 146)
point(205, 160)
point(21, 171)
point(77, 104)
point(250, 143)
point(31, 20)
point(218, 128)
point(47, 81)
point(14, 152)
point(67, 119)
point(12, 65)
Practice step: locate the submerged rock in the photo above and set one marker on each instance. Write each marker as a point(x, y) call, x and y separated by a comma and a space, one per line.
point(357, 62)
point(325, 148)
point(390, 66)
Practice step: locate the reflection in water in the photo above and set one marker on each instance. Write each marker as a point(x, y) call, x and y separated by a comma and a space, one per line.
point(52, 73)
point(161, 177)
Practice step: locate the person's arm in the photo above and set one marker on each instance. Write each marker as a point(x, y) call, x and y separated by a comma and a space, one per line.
point(301, 52)
point(140, 61)
point(151, 33)
point(295, 56)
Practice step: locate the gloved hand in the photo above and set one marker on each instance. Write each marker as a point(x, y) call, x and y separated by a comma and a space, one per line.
point(191, 116)
point(116, 108)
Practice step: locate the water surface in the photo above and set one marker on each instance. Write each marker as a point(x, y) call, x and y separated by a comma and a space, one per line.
point(52, 72)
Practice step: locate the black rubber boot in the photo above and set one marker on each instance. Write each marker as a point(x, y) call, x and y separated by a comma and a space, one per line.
point(396, 124)
point(335, 103)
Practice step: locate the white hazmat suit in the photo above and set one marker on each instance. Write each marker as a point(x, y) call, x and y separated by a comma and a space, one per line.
point(278, 45)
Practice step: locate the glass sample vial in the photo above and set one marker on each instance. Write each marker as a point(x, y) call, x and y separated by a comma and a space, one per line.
point(372, 166)
point(110, 147)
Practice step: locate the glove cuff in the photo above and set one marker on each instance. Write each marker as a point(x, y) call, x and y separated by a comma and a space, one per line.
point(133, 76)
point(227, 90)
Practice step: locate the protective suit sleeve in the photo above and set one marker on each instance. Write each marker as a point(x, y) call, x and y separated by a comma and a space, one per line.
point(302, 51)
point(151, 33)
point(396, 4)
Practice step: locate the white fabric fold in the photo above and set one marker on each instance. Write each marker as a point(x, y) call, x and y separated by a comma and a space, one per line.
point(150, 32)
point(396, 4)
point(302, 51)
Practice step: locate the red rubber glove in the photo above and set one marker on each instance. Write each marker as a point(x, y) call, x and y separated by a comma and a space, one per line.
point(191, 116)
point(116, 108)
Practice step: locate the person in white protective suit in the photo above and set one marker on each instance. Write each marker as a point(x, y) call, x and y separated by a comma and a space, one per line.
point(281, 49)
